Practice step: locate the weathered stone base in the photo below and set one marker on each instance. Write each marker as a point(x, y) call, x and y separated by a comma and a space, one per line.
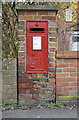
point(9, 85)
point(67, 100)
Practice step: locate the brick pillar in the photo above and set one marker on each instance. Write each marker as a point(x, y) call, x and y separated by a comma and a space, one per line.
point(35, 88)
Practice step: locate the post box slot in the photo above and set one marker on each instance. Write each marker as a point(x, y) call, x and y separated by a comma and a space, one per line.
point(36, 29)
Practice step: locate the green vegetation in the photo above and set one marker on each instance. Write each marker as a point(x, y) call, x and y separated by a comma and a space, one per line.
point(11, 105)
point(55, 104)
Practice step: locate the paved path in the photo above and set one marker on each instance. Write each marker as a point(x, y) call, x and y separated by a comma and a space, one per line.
point(41, 113)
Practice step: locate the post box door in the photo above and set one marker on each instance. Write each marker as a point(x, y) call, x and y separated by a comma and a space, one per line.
point(37, 47)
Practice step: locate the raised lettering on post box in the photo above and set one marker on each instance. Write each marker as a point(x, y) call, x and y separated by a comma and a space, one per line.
point(37, 47)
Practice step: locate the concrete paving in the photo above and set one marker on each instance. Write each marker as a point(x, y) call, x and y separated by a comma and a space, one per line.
point(41, 113)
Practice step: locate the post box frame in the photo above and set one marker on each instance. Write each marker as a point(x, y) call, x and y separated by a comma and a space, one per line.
point(44, 36)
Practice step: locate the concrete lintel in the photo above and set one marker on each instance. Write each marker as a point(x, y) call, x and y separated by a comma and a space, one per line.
point(37, 7)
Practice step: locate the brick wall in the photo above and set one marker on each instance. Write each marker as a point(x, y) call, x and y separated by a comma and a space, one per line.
point(67, 76)
point(33, 88)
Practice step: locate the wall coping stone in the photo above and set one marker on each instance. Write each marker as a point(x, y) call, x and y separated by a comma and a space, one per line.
point(37, 7)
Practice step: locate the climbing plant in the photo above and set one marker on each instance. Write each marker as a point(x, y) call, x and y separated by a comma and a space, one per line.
point(64, 28)
point(10, 24)
point(9, 30)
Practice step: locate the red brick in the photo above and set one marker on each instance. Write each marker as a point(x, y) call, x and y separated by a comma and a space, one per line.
point(51, 54)
point(52, 29)
point(37, 17)
point(53, 24)
point(49, 17)
point(69, 70)
point(73, 84)
point(62, 93)
point(59, 70)
point(25, 85)
point(21, 67)
point(35, 95)
point(23, 80)
point(66, 56)
point(21, 32)
point(21, 48)
point(62, 74)
point(21, 90)
point(25, 95)
point(52, 13)
point(60, 79)
point(28, 75)
point(52, 39)
point(73, 65)
point(59, 89)
point(25, 17)
point(66, 79)
point(21, 27)
point(21, 59)
point(70, 89)
point(21, 22)
point(42, 12)
point(51, 74)
point(51, 69)
point(52, 80)
point(21, 12)
point(52, 34)
point(67, 52)
point(36, 86)
point(52, 44)
point(62, 65)
point(73, 74)
point(31, 12)
point(59, 61)
point(27, 91)
point(53, 49)
point(62, 84)
point(34, 90)
point(78, 83)
point(70, 60)
point(51, 64)
point(51, 60)
point(21, 53)
point(20, 75)
point(21, 37)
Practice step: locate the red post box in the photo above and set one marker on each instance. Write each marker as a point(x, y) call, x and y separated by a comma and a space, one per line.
point(37, 47)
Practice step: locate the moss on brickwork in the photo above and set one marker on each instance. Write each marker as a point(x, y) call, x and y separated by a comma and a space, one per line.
point(67, 98)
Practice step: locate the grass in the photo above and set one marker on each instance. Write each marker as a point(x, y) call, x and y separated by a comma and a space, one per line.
point(14, 106)
point(55, 104)
point(11, 105)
